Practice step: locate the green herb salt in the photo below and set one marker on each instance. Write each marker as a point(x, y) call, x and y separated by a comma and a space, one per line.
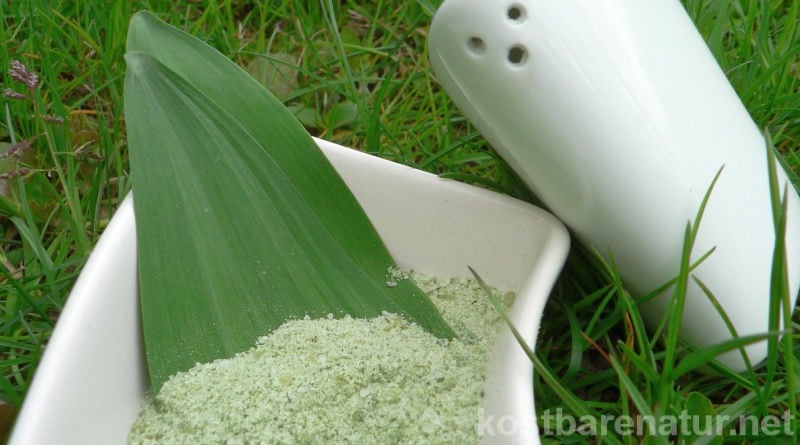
point(381, 380)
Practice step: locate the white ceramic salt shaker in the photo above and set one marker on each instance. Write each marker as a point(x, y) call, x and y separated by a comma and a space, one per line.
point(615, 113)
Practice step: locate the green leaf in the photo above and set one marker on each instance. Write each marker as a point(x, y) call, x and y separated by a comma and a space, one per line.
point(9, 203)
point(701, 357)
point(340, 115)
point(41, 196)
point(703, 425)
point(242, 223)
point(307, 116)
point(279, 79)
point(265, 118)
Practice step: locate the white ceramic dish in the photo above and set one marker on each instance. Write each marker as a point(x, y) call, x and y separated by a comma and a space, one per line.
point(92, 379)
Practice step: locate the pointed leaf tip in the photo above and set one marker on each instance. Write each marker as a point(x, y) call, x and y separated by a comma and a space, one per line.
point(139, 27)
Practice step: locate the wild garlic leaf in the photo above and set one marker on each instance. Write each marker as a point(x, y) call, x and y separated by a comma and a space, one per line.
point(242, 223)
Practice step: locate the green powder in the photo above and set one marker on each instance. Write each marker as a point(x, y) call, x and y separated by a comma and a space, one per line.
point(381, 380)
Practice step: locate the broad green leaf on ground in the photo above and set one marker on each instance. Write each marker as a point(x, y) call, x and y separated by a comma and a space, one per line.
point(704, 427)
point(278, 78)
point(340, 115)
point(242, 223)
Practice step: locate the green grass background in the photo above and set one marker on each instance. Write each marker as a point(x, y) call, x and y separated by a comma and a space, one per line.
point(362, 81)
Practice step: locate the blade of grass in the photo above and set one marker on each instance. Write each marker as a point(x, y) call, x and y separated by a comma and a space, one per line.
point(644, 367)
point(780, 299)
point(23, 292)
point(754, 384)
point(645, 348)
point(675, 311)
point(577, 341)
point(701, 357)
point(577, 406)
point(330, 16)
point(641, 404)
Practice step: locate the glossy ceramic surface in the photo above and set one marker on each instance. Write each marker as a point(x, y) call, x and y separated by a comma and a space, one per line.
point(92, 379)
point(617, 116)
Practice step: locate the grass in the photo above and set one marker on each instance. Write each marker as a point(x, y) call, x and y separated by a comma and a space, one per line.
point(358, 75)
